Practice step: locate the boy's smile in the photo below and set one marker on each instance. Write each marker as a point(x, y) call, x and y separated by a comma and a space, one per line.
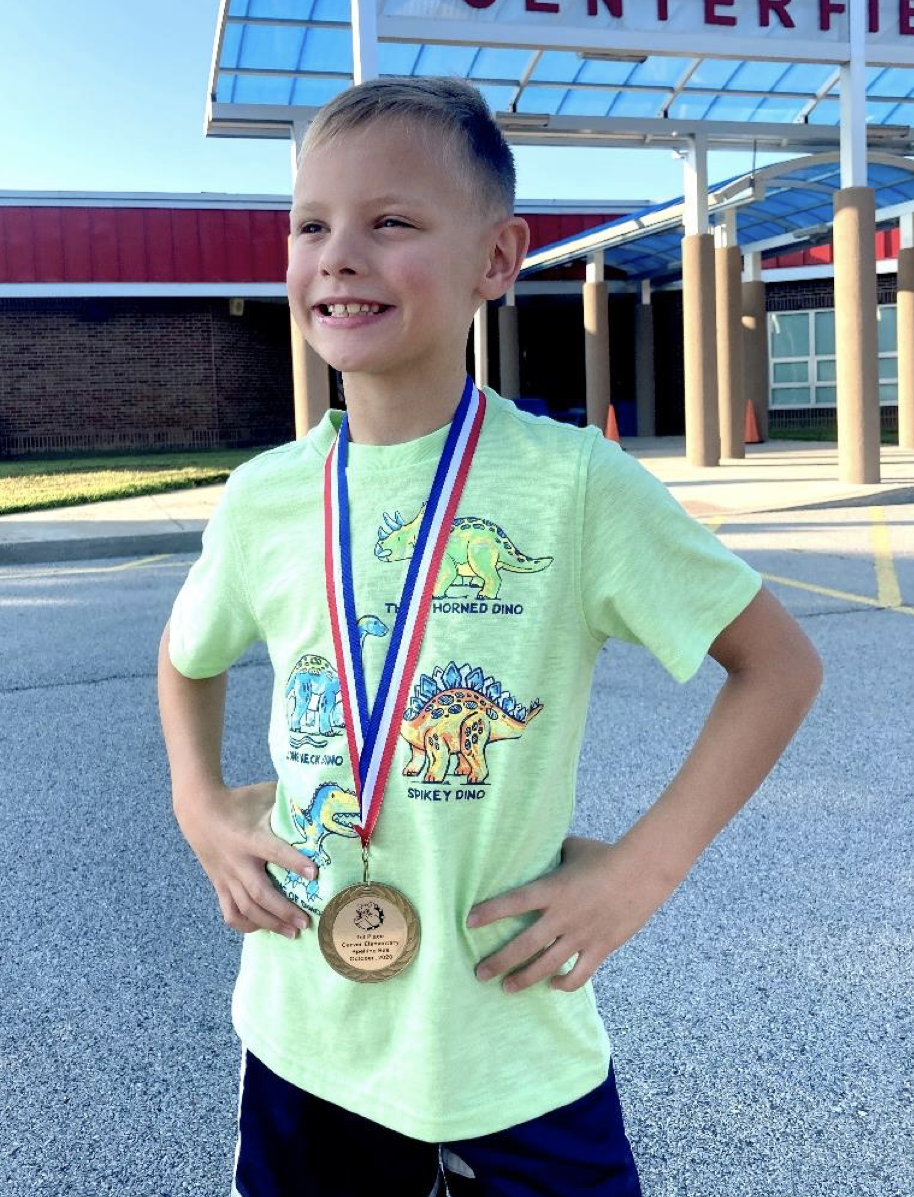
point(349, 313)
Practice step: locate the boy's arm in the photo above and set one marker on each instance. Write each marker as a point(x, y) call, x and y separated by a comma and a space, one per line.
point(773, 676)
point(192, 711)
point(227, 828)
point(602, 894)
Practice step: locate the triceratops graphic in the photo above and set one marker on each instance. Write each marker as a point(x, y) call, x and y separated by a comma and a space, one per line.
point(476, 549)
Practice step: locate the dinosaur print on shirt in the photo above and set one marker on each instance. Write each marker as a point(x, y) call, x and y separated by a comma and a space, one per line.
point(454, 713)
point(459, 712)
point(476, 550)
point(314, 703)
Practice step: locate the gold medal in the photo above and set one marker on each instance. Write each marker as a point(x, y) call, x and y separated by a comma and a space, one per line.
point(368, 931)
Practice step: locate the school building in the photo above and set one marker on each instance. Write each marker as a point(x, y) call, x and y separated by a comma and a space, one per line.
point(785, 295)
point(161, 321)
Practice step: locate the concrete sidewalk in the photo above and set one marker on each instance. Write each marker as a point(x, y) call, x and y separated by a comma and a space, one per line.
point(775, 476)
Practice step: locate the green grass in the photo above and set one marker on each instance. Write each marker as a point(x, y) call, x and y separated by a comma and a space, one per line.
point(34, 484)
point(826, 433)
point(57, 480)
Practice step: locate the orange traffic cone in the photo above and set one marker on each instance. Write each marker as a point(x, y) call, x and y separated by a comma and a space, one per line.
point(751, 436)
point(612, 428)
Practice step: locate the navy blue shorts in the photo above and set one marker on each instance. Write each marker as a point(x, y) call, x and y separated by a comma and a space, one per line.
point(291, 1142)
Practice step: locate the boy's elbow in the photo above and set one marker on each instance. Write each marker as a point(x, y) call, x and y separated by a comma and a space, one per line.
point(796, 672)
point(164, 641)
point(817, 670)
point(808, 672)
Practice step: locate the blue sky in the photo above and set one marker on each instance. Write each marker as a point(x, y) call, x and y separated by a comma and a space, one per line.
point(109, 95)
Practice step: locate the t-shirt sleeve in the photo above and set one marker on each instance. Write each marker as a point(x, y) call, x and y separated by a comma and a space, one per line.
point(650, 573)
point(212, 621)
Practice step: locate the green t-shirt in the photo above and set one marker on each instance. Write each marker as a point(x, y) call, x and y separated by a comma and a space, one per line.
point(560, 541)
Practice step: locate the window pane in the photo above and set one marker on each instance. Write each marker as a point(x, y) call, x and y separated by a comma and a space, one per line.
point(790, 334)
point(784, 395)
point(885, 327)
point(888, 367)
point(791, 371)
point(825, 369)
point(825, 331)
point(826, 395)
point(888, 392)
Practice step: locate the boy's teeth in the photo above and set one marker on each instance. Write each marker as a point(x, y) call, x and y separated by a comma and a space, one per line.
point(352, 309)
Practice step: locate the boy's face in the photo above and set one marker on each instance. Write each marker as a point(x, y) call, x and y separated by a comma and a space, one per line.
point(379, 216)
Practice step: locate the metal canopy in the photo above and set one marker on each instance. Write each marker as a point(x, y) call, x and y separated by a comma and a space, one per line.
point(275, 62)
point(787, 203)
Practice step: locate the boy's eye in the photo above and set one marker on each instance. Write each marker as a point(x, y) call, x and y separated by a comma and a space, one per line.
point(312, 225)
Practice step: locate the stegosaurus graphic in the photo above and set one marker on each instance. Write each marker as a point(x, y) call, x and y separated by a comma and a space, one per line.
point(476, 549)
point(333, 811)
point(460, 711)
point(315, 685)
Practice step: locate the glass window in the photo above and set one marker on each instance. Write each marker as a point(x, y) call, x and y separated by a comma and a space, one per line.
point(790, 334)
point(825, 369)
point(786, 396)
point(825, 331)
point(809, 339)
point(885, 328)
point(791, 372)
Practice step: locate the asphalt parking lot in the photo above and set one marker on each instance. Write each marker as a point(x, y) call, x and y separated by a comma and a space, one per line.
point(761, 1021)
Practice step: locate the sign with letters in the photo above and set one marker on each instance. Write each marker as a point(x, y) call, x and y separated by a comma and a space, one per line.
point(799, 30)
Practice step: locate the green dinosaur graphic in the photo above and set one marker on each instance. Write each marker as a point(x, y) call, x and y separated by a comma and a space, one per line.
point(476, 550)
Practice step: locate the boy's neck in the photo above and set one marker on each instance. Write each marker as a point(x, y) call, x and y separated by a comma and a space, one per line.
point(387, 411)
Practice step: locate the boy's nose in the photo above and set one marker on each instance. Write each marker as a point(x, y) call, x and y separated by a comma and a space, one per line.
point(338, 257)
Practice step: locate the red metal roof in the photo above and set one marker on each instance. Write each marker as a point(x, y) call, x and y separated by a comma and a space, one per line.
point(154, 245)
point(546, 227)
point(98, 244)
point(887, 243)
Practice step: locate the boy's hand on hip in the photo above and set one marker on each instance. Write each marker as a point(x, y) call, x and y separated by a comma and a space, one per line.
point(230, 833)
point(595, 901)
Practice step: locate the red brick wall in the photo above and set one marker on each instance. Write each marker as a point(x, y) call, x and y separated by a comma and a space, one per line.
point(151, 373)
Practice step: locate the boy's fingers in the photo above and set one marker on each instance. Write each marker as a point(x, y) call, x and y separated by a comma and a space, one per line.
point(538, 970)
point(278, 852)
point(301, 864)
point(526, 947)
point(232, 916)
point(265, 892)
point(270, 911)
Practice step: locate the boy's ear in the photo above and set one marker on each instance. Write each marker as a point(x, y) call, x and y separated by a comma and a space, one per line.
point(506, 256)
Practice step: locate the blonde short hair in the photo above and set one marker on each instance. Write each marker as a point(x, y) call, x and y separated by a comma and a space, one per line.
point(442, 104)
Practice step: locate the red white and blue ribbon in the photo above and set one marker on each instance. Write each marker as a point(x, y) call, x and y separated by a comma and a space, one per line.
point(372, 738)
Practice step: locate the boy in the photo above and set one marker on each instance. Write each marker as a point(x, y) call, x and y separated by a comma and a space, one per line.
point(434, 578)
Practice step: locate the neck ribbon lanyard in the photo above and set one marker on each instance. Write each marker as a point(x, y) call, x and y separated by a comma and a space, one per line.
point(372, 738)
